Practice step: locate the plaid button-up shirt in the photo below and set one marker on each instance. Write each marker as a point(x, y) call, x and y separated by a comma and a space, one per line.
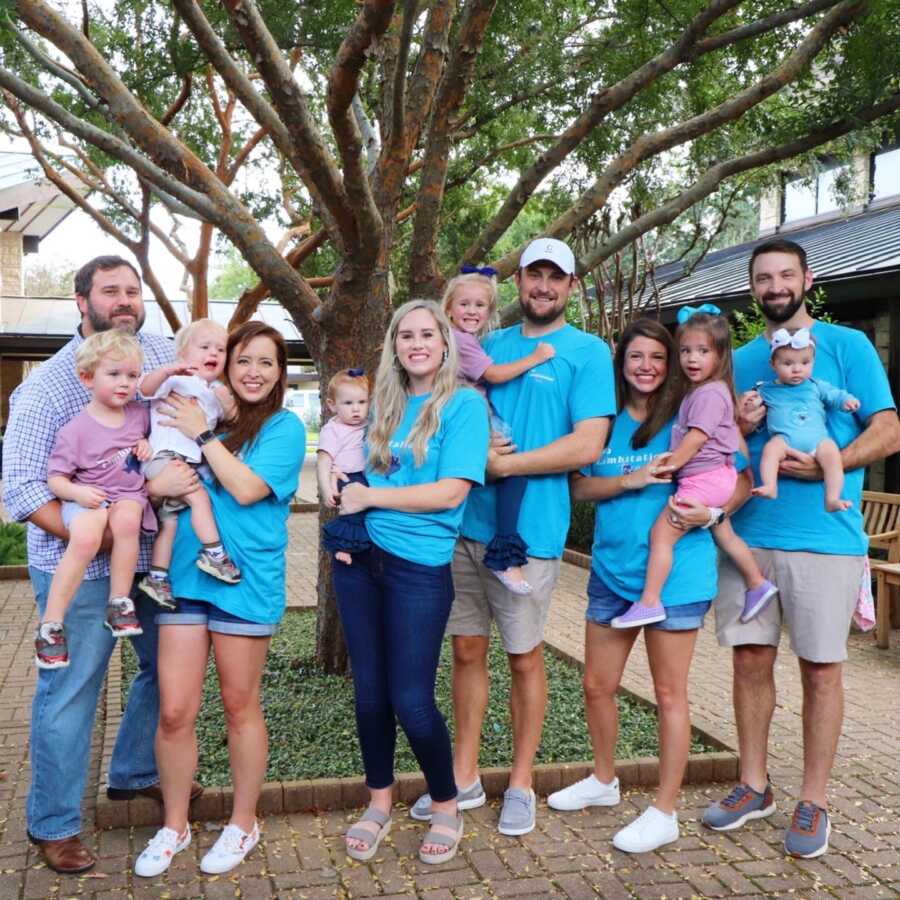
point(38, 408)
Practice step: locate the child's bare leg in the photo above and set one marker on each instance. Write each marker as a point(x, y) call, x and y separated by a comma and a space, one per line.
point(663, 539)
point(85, 536)
point(165, 541)
point(828, 455)
point(725, 536)
point(772, 455)
point(125, 524)
point(202, 519)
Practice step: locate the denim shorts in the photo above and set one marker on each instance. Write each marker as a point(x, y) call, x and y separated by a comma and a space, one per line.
point(202, 612)
point(604, 605)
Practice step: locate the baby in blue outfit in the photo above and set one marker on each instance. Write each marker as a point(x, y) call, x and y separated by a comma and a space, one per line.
point(796, 405)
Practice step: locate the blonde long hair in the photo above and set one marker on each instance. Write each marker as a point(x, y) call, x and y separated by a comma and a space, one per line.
point(392, 391)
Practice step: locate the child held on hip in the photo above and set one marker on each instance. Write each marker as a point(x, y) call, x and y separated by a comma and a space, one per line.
point(341, 460)
point(470, 302)
point(95, 471)
point(201, 351)
point(796, 413)
point(704, 439)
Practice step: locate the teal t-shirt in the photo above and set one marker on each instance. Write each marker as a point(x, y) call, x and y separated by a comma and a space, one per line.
point(458, 449)
point(797, 520)
point(255, 536)
point(622, 526)
point(542, 406)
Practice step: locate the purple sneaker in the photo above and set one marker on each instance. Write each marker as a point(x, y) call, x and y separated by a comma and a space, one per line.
point(757, 600)
point(639, 615)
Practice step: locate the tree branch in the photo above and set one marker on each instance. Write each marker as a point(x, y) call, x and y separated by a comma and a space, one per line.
point(425, 279)
point(650, 145)
point(318, 169)
point(343, 84)
point(398, 97)
point(704, 186)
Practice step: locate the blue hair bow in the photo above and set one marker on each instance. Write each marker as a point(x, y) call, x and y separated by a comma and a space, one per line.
point(487, 271)
point(356, 373)
point(686, 312)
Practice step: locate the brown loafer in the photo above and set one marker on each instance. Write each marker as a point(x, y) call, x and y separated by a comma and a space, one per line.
point(68, 856)
point(153, 791)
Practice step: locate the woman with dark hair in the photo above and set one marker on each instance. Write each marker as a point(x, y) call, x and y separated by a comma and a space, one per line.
point(255, 461)
point(630, 485)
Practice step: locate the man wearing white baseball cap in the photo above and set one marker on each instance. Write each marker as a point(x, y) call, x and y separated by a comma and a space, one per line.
point(559, 413)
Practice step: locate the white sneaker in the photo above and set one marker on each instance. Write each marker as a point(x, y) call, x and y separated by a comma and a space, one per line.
point(229, 850)
point(158, 854)
point(651, 829)
point(590, 791)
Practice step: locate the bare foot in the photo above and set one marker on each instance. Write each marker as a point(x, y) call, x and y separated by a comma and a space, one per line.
point(359, 843)
point(343, 557)
point(432, 849)
point(767, 491)
point(837, 505)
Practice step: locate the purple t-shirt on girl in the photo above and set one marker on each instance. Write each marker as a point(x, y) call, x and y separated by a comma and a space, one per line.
point(91, 453)
point(710, 409)
point(473, 361)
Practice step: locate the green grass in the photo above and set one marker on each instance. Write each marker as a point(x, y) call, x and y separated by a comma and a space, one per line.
point(312, 729)
point(12, 544)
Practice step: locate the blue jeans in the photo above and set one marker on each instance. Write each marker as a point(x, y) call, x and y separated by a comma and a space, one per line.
point(394, 613)
point(65, 706)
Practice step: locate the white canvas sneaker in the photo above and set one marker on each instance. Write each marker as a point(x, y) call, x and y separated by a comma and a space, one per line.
point(651, 829)
point(229, 850)
point(158, 854)
point(590, 791)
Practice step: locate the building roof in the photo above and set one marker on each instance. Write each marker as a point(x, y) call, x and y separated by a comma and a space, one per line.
point(31, 205)
point(864, 247)
point(38, 322)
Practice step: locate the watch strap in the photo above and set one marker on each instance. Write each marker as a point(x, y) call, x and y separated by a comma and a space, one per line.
point(204, 437)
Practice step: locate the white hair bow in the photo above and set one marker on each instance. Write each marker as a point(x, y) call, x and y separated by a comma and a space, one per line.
point(799, 340)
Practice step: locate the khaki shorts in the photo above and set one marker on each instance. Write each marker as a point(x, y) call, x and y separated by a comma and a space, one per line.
point(816, 597)
point(480, 598)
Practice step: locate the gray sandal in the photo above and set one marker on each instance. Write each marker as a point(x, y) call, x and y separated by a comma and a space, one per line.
point(445, 840)
point(373, 839)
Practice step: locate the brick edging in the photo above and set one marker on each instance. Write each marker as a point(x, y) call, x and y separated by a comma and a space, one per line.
point(304, 507)
point(348, 793)
point(577, 558)
point(13, 573)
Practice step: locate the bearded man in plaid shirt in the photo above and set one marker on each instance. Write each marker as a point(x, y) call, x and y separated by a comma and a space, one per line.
point(108, 294)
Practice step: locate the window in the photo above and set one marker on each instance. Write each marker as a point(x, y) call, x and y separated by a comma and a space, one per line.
point(886, 177)
point(803, 199)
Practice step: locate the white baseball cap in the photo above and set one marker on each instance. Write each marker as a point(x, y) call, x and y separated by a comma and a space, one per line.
point(549, 250)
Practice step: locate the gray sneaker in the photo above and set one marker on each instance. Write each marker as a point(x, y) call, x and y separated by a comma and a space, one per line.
point(121, 619)
point(518, 813)
point(808, 835)
point(223, 569)
point(159, 590)
point(466, 798)
point(741, 805)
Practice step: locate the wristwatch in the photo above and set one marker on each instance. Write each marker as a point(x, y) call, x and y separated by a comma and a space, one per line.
point(204, 438)
point(717, 516)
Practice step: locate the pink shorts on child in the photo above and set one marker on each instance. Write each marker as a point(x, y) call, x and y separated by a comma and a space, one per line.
point(713, 487)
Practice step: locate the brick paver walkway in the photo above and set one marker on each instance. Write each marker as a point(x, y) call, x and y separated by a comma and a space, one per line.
point(568, 855)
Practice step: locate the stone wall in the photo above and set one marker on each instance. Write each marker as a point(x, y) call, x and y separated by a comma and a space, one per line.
point(11, 273)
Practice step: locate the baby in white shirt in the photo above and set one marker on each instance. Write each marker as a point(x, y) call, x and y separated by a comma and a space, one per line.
point(201, 351)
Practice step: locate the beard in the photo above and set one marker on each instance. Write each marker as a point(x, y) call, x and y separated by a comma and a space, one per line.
point(779, 314)
point(101, 323)
point(545, 318)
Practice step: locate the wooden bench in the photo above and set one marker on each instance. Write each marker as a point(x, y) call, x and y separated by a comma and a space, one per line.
point(881, 518)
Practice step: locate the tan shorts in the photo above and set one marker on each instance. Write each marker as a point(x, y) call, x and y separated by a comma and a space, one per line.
point(816, 598)
point(480, 598)
point(171, 506)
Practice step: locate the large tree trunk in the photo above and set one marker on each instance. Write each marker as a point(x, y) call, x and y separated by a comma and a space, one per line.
point(360, 306)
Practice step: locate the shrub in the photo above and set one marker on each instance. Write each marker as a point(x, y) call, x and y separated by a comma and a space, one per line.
point(12, 544)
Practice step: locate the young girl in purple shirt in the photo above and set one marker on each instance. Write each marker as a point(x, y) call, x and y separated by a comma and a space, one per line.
point(470, 302)
point(705, 438)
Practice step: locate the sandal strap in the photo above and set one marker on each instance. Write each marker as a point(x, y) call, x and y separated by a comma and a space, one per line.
point(437, 837)
point(375, 815)
point(445, 819)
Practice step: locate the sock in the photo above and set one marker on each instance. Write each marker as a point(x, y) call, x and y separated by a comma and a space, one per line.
point(215, 550)
point(158, 573)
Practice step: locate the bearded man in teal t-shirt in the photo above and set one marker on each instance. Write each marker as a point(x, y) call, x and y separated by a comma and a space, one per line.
point(816, 557)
